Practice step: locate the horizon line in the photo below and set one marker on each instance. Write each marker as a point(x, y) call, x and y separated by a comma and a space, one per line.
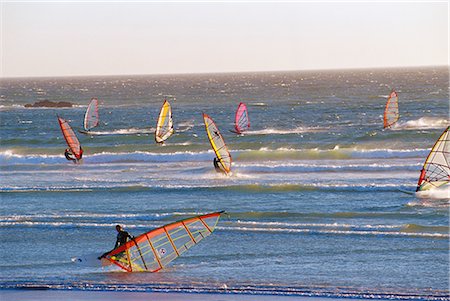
point(224, 72)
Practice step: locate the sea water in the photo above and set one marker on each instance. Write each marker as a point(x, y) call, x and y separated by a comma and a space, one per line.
point(313, 202)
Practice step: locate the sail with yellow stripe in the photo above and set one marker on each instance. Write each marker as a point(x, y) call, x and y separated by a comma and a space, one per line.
point(164, 126)
point(391, 114)
point(218, 144)
point(154, 250)
point(436, 169)
point(71, 138)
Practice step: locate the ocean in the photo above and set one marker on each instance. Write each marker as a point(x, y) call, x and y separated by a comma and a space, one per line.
point(314, 206)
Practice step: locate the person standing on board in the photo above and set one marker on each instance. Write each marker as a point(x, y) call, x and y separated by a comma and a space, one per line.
point(217, 167)
point(71, 157)
point(122, 238)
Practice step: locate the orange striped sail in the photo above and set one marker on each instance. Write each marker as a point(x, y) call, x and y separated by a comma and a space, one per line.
point(436, 169)
point(71, 138)
point(391, 114)
point(218, 144)
point(154, 250)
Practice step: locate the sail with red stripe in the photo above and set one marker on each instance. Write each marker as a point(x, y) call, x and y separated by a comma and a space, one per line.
point(71, 138)
point(91, 118)
point(436, 169)
point(164, 126)
point(218, 144)
point(391, 114)
point(241, 120)
point(154, 250)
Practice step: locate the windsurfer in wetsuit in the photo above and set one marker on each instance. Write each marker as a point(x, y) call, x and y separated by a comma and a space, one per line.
point(71, 157)
point(122, 238)
point(216, 166)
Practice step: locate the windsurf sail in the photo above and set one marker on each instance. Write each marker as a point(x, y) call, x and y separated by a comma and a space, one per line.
point(154, 250)
point(241, 120)
point(436, 169)
point(91, 116)
point(218, 144)
point(164, 126)
point(71, 138)
point(391, 114)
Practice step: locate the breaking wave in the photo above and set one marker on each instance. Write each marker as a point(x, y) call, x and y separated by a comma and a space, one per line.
point(422, 124)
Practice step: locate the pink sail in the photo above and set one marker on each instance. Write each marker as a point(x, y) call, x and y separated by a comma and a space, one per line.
point(241, 122)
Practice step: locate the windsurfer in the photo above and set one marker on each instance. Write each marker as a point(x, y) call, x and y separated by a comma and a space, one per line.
point(216, 166)
point(122, 238)
point(71, 157)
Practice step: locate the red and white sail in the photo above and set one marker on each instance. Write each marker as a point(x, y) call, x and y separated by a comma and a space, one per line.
point(391, 114)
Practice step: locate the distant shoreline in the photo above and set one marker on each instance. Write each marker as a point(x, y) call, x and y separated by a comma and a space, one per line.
point(220, 73)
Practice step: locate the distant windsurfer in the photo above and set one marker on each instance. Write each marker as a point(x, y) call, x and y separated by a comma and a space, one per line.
point(122, 238)
point(216, 166)
point(71, 157)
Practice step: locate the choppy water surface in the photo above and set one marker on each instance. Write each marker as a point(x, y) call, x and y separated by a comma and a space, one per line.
point(313, 201)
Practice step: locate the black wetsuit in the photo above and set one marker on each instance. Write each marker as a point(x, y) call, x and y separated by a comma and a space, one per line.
point(122, 238)
point(216, 166)
point(69, 155)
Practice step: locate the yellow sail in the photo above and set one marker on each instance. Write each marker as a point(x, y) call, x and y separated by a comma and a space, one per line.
point(164, 126)
point(218, 144)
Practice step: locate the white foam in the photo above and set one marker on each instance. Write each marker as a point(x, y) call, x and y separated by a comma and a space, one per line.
point(421, 123)
point(130, 131)
point(335, 232)
point(297, 130)
point(319, 225)
point(439, 193)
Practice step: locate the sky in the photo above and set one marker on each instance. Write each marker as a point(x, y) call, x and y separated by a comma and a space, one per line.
point(114, 38)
